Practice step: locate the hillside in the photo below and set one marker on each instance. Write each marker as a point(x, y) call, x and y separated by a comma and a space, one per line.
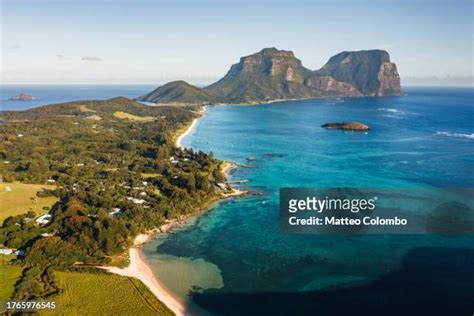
point(179, 92)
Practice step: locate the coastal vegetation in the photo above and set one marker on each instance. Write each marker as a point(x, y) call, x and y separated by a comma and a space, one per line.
point(180, 92)
point(111, 179)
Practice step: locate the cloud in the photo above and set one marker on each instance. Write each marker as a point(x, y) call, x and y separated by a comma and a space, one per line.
point(15, 46)
point(91, 58)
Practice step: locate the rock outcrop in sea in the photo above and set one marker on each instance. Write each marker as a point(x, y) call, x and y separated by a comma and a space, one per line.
point(348, 126)
point(22, 97)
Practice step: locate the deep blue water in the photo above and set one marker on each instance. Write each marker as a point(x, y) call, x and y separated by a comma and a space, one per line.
point(424, 139)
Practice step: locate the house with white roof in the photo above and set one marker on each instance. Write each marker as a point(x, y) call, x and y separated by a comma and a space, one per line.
point(44, 219)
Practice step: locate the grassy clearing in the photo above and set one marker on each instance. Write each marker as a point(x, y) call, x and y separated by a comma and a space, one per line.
point(9, 274)
point(151, 175)
point(104, 294)
point(93, 117)
point(131, 117)
point(83, 108)
point(22, 198)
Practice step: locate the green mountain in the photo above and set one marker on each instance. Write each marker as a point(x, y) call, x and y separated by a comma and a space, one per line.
point(273, 74)
point(180, 92)
point(267, 75)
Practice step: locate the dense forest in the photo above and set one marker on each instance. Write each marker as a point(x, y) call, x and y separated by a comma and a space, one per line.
point(116, 176)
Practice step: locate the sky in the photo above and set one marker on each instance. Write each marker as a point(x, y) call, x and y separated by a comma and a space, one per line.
point(141, 41)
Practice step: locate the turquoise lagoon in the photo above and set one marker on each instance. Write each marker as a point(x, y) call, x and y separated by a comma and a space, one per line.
point(236, 261)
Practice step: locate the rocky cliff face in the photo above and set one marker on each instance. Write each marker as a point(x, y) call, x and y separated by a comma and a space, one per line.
point(329, 86)
point(278, 74)
point(267, 75)
point(369, 71)
point(273, 74)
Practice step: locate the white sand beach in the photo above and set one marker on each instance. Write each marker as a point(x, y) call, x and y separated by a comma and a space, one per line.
point(140, 270)
point(189, 129)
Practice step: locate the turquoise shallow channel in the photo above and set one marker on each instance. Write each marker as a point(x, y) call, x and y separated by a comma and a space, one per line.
point(237, 259)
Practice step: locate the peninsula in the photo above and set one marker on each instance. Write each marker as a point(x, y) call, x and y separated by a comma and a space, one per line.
point(115, 169)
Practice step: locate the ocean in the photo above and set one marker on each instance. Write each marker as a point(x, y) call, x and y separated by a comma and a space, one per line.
point(421, 140)
point(233, 260)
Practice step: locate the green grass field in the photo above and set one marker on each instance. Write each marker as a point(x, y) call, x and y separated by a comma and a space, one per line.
point(131, 117)
point(22, 198)
point(104, 294)
point(9, 274)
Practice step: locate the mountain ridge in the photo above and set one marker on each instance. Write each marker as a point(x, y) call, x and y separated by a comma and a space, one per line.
point(273, 74)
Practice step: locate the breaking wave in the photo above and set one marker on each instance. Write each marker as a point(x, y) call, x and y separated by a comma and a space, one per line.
point(390, 110)
point(453, 134)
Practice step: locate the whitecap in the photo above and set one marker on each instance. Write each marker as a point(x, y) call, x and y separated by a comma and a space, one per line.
point(391, 110)
point(455, 134)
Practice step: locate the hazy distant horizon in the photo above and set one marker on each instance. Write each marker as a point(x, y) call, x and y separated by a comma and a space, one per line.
point(447, 81)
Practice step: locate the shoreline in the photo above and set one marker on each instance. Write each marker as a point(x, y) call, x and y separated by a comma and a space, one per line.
point(263, 102)
point(179, 139)
point(138, 267)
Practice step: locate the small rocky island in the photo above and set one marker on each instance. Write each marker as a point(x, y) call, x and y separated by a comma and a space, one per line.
point(22, 97)
point(347, 126)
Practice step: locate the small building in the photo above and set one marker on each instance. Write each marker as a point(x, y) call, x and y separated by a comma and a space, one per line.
point(115, 211)
point(6, 251)
point(44, 219)
point(143, 193)
point(222, 186)
point(20, 135)
point(135, 200)
point(51, 181)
